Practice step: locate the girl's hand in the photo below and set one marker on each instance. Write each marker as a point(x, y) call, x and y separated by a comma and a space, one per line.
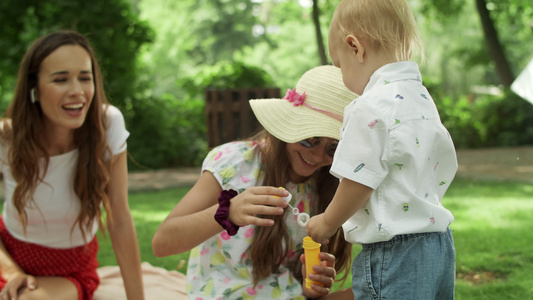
point(15, 283)
point(262, 200)
point(325, 274)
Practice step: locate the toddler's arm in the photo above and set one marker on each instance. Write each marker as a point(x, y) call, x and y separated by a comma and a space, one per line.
point(349, 198)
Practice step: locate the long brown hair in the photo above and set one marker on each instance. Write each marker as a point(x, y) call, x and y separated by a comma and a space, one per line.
point(26, 150)
point(267, 250)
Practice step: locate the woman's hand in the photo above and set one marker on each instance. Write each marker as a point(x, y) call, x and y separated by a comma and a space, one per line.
point(18, 281)
point(262, 200)
point(325, 274)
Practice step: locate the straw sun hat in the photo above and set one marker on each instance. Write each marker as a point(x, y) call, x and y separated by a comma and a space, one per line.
point(313, 109)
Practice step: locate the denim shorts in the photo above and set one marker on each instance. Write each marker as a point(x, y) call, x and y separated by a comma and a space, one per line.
point(417, 266)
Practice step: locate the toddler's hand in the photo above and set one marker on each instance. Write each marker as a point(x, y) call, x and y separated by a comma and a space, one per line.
point(318, 230)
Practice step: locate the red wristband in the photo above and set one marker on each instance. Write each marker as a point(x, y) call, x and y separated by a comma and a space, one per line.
point(222, 214)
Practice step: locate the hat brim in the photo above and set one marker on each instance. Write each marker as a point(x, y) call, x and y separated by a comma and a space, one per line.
point(292, 124)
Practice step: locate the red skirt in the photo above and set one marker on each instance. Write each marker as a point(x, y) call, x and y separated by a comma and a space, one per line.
point(75, 264)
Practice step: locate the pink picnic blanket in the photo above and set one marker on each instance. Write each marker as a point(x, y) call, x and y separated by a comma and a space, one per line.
point(159, 284)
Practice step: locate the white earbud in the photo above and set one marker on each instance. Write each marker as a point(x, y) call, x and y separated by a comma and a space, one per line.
point(32, 95)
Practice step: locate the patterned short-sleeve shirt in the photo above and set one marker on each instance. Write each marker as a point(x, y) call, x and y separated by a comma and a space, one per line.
point(393, 141)
point(220, 268)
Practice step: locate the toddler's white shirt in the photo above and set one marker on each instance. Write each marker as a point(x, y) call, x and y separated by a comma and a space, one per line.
point(393, 141)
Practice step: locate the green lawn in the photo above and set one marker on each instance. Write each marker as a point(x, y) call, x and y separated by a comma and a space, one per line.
point(149, 210)
point(493, 232)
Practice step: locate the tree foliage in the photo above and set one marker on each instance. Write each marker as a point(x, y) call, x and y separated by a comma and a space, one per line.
point(505, 25)
point(112, 27)
point(159, 55)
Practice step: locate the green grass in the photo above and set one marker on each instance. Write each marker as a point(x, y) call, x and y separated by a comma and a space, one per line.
point(493, 232)
point(149, 209)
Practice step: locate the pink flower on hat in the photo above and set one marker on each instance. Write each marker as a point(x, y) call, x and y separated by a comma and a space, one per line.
point(295, 98)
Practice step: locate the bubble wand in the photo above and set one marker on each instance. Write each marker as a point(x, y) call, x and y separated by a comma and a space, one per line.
point(301, 218)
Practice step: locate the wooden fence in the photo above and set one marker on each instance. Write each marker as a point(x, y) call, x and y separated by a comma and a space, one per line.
point(229, 115)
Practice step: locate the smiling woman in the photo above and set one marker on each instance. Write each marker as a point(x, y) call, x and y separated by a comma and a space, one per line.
point(63, 158)
point(64, 92)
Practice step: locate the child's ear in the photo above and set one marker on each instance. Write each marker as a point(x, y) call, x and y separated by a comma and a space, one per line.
point(356, 47)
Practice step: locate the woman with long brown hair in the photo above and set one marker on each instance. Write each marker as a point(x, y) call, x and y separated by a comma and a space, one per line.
point(63, 158)
point(247, 244)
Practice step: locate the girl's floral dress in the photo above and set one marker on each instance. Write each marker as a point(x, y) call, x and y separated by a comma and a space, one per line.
point(220, 268)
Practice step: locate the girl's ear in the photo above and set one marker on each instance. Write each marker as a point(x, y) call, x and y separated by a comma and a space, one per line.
point(356, 47)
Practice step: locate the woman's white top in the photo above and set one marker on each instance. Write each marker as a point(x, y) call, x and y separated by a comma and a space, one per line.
point(56, 206)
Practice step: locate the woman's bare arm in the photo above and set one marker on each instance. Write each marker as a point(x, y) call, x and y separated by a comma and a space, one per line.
point(122, 230)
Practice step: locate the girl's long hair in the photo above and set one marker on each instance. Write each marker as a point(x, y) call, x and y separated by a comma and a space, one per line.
point(270, 244)
point(28, 157)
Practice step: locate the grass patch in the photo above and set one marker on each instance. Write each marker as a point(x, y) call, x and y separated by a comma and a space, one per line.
point(149, 209)
point(493, 232)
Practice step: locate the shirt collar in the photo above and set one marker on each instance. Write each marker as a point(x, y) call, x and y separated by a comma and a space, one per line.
point(398, 71)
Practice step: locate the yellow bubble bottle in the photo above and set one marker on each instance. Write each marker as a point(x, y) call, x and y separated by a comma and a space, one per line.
point(312, 251)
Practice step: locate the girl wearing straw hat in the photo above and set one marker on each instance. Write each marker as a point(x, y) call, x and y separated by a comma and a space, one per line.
point(245, 243)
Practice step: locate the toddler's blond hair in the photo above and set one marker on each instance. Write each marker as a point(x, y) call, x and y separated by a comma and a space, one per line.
point(384, 24)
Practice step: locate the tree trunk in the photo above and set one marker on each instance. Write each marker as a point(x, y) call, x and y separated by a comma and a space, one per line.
point(495, 47)
point(319, 39)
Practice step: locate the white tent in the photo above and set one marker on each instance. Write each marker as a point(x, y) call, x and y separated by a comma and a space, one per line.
point(523, 84)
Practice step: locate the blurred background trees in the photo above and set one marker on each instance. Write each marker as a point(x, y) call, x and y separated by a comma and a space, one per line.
point(158, 57)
